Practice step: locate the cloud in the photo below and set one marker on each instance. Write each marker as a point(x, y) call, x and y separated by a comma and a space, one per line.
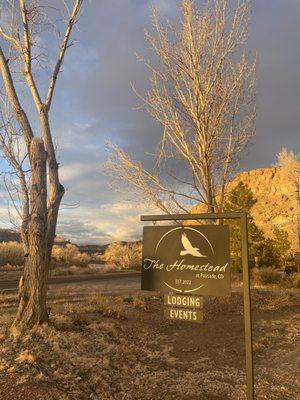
point(274, 34)
point(103, 224)
point(94, 103)
point(77, 170)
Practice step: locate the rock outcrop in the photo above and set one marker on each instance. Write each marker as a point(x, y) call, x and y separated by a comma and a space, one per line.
point(276, 204)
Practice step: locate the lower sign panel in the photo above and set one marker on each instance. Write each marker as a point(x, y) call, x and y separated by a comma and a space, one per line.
point(174, 300)
point(183, 314)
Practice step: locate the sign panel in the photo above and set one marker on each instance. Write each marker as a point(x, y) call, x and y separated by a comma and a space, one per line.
point(180, 314)
point(179, 300)
point(188, 260)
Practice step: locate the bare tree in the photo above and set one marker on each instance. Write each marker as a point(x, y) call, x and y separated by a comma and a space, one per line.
point(202, 93)
point(289, 162)
point(21, 56)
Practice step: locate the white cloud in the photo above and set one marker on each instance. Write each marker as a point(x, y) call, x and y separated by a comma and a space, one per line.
point(110, 222)
point(163, 6)
point(76, 170)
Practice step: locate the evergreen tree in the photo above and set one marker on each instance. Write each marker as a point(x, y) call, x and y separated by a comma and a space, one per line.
point(270, 252)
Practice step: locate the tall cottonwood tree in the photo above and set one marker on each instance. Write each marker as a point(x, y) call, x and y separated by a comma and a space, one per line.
point(22, 48)
point(289, 162)
point(202, 94)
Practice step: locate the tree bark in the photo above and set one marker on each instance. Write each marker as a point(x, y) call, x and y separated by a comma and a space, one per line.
point(56, 189)
point(33, 285)
point(209, 189)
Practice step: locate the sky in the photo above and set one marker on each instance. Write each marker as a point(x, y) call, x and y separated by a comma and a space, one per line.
point(94, 103)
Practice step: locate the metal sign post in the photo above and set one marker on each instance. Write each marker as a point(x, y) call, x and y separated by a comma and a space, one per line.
point(242, 216)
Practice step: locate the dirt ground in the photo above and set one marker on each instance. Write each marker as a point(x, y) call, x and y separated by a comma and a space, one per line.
point(121, 347)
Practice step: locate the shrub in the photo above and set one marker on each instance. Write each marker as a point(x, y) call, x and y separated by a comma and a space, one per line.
point(107, 306)
point(291, 281)
point(11, 253)
point(265, 276)
point(236, 277)
point(139, 302)
point(70, 255)
point(296, 280)
point(124, 256)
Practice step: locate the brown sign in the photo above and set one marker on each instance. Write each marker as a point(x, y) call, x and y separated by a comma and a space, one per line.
point(189, 260)
point(180, 314)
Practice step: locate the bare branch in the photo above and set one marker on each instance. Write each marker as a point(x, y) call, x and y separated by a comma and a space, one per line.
point(11, 40)
point(64, 46)
point(14, 100)
point(202, 94)
point(27, 56)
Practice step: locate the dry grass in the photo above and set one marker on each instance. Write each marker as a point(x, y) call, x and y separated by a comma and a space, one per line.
point(291, 281)
point(78, 270)
point(139, 302)
point(296, 280)
point(107, 306)
point(84, 270)
point(236, 277)
point(265, 276)
point(11, 253)
point(95, 304)
point(109, 348)
point(25, 357)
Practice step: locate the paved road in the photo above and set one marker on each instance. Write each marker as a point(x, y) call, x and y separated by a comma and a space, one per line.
point(115, 282)
point(116, 277)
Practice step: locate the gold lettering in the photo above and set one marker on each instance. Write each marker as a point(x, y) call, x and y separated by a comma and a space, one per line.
point(223, 269)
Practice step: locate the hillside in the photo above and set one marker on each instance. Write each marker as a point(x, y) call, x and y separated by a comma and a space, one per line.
point(275, 200)
point(9, 235)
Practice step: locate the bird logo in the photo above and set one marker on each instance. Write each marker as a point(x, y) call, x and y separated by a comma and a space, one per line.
point(188, 247)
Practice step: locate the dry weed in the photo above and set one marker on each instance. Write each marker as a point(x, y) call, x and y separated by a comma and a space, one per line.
point(265, 276)
point(139, 302)
point(108, 306)
point(25, 357)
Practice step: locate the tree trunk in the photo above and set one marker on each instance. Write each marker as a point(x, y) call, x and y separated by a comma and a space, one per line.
point(33, 285)
point(209, 190)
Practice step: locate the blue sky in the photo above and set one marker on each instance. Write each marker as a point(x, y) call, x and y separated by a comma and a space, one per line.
point(94, 103)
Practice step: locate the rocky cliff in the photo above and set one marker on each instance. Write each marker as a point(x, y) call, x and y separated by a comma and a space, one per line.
point(275, 205)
